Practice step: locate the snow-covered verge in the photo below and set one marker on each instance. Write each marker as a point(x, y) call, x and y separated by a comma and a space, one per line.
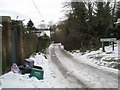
point(51, 80)
point(107, 60)
point(52, 76)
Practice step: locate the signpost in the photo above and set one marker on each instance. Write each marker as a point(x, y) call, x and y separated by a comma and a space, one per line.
point(107, 40)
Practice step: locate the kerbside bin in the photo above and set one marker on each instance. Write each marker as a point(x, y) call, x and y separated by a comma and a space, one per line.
point(38, 73)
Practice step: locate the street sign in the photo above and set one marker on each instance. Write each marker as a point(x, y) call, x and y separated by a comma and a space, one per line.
point(107, 39)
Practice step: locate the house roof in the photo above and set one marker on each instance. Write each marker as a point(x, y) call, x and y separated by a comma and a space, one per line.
point(0, 25)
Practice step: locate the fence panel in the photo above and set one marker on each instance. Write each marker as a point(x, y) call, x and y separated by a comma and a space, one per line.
point(16, 46)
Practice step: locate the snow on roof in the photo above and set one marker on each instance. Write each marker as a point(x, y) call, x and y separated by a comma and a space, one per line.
point(0, 25)
point(118, 21)
point(47, 33)
point(43, 33)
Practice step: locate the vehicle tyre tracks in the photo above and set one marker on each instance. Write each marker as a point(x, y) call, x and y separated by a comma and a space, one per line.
point(70, 77)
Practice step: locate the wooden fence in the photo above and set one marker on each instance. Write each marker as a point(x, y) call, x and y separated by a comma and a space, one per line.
point(15, 44)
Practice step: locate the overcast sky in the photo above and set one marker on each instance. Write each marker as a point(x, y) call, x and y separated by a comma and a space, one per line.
point(51, 10)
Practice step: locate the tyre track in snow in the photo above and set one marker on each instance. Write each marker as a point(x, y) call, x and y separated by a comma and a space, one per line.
point(64, 71)
point(104, 79)
point(76, 60)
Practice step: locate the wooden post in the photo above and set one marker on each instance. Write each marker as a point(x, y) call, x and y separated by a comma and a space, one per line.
point(103, 48)
point(113, 46)
point(107, 40)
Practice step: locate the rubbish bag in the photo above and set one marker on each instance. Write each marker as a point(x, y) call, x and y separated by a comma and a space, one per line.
point(15, 68)
point(25, 69)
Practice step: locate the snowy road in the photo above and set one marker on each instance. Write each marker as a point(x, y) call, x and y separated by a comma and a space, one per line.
point(81, 74)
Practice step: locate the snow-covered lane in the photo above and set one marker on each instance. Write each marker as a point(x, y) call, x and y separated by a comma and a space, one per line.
point(62, 70)
point(72, 81)
point(89, 75)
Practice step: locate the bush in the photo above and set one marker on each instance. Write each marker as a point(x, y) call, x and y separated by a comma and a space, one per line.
point(43, 43)
point(30, 44)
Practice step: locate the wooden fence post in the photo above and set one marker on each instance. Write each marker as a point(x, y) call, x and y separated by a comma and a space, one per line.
point(113, 46)
point(103, 48)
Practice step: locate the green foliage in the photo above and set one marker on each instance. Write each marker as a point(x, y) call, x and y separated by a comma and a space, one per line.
point(30, 26)
point(33, 55)
point(118, 9)
point(86, 23)
point(30, 44)
point(43, 43)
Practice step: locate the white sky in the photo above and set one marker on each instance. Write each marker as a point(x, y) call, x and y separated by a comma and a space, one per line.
point(51, 10)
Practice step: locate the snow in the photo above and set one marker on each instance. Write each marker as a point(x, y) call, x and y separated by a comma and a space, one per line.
point(0, 25)
point(85, 73)
point(103, 60)
point(44, 32)
point(47, 33)
point(53, 78)
point(23, 81)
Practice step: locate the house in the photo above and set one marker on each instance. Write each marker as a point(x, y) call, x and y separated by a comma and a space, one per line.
point(41, 32)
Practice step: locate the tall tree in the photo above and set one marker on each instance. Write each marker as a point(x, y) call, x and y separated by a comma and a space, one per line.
point(86, 23)
point(30, 24)
point(103, 18)
point(118, 9)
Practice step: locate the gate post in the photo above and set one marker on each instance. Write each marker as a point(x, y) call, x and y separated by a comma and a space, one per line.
point(113, 46)
point(103, 48)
